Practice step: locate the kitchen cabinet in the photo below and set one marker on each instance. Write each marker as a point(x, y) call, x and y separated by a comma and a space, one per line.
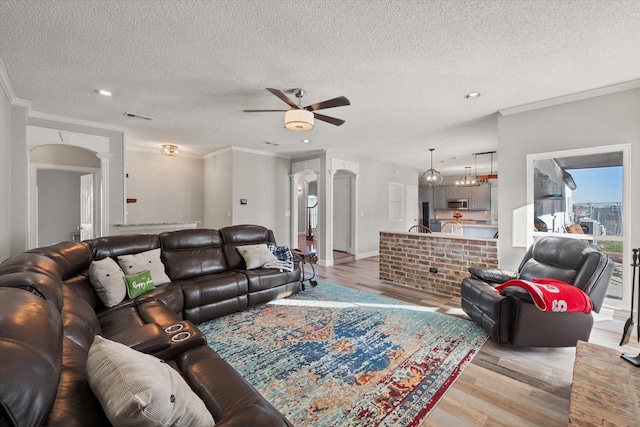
point(465, 193)
point(480, 198)
point(440, 197)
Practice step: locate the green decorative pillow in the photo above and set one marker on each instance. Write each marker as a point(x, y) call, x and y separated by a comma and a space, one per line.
point(149, 260)
point(137, 389)
point(139, 284)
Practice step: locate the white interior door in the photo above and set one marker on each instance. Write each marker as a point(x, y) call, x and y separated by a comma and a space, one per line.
point(411, 203)
point(86, 207)
point(341, 213)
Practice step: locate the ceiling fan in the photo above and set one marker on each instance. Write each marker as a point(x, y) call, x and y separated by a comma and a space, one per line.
point(300, 118)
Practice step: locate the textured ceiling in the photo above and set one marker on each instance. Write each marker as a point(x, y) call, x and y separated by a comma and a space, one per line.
point(405, 65)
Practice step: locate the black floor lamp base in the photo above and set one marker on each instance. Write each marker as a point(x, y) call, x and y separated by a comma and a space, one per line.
point(634, 360)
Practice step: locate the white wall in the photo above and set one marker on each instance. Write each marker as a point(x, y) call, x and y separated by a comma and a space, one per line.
point(67, 155)
point(58, 205)
point(167, 188)
point(19, 180)
point(116, 162)
point(372, 199)
point(5, 175)
point(599, 121)
point(263, 180)
point(218, 181)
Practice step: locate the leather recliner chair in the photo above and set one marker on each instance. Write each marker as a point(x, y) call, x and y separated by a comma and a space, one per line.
point(513, 318)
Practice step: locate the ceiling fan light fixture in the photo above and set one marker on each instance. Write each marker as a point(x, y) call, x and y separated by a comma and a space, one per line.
point(298, 120)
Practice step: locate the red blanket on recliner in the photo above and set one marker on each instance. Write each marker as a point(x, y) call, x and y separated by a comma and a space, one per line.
point(553, 295)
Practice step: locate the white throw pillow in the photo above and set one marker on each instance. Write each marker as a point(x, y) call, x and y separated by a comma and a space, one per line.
point(137, 389)
point(255, 256)
point(149, 260)
point(108, 280)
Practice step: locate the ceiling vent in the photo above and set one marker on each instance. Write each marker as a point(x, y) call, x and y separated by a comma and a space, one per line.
point(138, 116)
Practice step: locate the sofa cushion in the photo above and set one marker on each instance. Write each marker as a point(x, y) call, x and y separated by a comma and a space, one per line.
point(192, 253)
point(267, 278)
point(79, 319)
point(139, 284)
point(149, 260)
point(136, 389)
point(255, 256)
point(31, 352)
point(114, 246)
point(108, 280)
point(231, 399)
point(72, 257)
point(241, 235)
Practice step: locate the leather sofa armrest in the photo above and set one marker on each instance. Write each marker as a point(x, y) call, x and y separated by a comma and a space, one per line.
point(487, 307)
point(492, 275)
point(149, 338)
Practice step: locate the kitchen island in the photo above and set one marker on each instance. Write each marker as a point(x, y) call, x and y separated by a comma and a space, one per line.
point(433, 262)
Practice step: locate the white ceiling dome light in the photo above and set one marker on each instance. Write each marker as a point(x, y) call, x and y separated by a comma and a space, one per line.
point(298, 120)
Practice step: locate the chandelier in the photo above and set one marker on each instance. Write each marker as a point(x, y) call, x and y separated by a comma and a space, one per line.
point(469, 181)
point(431, 178)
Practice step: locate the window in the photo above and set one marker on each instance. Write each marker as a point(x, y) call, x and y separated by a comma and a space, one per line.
point(580, 194)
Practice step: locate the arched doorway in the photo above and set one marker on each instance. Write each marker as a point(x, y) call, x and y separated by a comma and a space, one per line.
point(79, 163)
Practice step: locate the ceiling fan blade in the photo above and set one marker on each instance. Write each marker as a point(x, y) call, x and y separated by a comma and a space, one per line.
point(331, 103)
point(328, 119)
point(264, 111)
point(283, 97)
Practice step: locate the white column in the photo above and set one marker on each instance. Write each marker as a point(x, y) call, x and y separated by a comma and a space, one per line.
point(104, 192)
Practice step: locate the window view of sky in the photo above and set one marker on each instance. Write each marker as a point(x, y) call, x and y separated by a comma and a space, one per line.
point(597, 185)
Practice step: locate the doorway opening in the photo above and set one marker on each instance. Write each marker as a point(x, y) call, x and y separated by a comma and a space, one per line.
point(63, 183)
point(343, 210)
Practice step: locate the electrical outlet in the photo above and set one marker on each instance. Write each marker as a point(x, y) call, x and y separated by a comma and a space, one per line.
point(433, 270)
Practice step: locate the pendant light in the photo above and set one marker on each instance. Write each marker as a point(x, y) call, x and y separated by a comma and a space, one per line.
point(431, 178)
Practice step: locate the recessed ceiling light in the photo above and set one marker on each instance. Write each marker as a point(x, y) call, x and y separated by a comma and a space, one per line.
point(472, 95)
point(455, 158)
point(305, 141)
point(104, 92)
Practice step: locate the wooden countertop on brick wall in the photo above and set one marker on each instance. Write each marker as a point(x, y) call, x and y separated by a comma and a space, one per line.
point(441, 235)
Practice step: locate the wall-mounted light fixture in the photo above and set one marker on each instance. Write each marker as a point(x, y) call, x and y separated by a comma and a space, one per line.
point(169, 149)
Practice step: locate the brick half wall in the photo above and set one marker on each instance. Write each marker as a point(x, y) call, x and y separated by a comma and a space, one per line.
point(405, 259)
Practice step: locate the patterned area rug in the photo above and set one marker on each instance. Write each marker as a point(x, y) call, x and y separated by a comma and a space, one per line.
point(335, 356)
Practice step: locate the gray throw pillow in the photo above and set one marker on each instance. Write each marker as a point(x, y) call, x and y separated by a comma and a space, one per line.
point(255, 256)
point(107, 279)
point(137, 389)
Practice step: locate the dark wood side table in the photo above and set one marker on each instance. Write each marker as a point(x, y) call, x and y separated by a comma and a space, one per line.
point(308, 257)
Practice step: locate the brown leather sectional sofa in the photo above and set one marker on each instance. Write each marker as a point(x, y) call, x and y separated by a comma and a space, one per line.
point(50, 315)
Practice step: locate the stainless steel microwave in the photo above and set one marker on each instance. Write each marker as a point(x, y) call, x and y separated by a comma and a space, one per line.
point(458, 204)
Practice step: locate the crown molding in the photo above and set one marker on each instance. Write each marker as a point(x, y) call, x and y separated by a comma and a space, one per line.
point(151, 150)
point(77, 122)
point(607, 90)
point(246, 150)
point(8, 89)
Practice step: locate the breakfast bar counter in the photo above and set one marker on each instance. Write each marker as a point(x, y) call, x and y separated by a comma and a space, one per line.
point(433, 262)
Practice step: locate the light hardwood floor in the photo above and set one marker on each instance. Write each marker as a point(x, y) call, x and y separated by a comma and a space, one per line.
point(503, 385)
